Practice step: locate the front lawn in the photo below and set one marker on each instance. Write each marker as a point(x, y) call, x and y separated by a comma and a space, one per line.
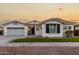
point(47, 40)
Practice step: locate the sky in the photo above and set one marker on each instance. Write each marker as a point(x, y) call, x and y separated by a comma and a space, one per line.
point(38, 11)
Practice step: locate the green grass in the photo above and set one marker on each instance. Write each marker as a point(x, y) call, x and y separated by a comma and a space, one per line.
point(47, 40)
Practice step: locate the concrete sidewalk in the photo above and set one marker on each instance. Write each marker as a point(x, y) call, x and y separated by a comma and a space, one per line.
point(42, 44)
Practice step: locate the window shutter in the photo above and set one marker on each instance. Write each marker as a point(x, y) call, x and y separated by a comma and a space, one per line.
point(47, 28)
point(58, 28)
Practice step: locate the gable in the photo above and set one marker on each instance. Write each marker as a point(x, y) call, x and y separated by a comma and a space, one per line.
point(53, 22)
point(33, 22)
point(14, 24)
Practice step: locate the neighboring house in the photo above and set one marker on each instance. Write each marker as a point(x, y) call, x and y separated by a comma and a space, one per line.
point(76, 30)
point(54, 27)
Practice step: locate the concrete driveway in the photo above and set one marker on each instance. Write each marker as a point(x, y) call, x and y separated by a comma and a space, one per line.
point(7, 39)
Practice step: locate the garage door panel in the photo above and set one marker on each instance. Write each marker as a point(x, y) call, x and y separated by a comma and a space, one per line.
point(17, 31)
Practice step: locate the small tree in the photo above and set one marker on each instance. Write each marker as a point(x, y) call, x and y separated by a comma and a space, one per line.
point(69, 33)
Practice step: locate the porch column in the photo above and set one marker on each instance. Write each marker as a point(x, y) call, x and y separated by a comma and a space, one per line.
point(5, 31)
point(26, 30)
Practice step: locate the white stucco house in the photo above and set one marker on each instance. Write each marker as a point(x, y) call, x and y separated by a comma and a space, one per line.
point(53, 27)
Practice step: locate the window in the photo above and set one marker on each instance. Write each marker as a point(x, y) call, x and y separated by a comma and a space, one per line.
point(52, 28)
point(69, 27)
point(65, 27)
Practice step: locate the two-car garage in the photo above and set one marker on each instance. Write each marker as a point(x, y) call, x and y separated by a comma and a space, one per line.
point(15, 31)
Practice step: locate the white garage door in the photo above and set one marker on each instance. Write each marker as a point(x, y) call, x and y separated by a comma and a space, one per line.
point(15, 31)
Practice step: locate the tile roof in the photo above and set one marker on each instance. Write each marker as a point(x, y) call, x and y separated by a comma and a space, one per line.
point(57, 19)
point(13, 22)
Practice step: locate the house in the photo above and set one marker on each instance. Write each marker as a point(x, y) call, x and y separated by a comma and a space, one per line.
point(53, 27)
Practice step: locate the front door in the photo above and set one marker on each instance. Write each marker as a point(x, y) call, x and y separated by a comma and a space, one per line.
point(31, 31)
